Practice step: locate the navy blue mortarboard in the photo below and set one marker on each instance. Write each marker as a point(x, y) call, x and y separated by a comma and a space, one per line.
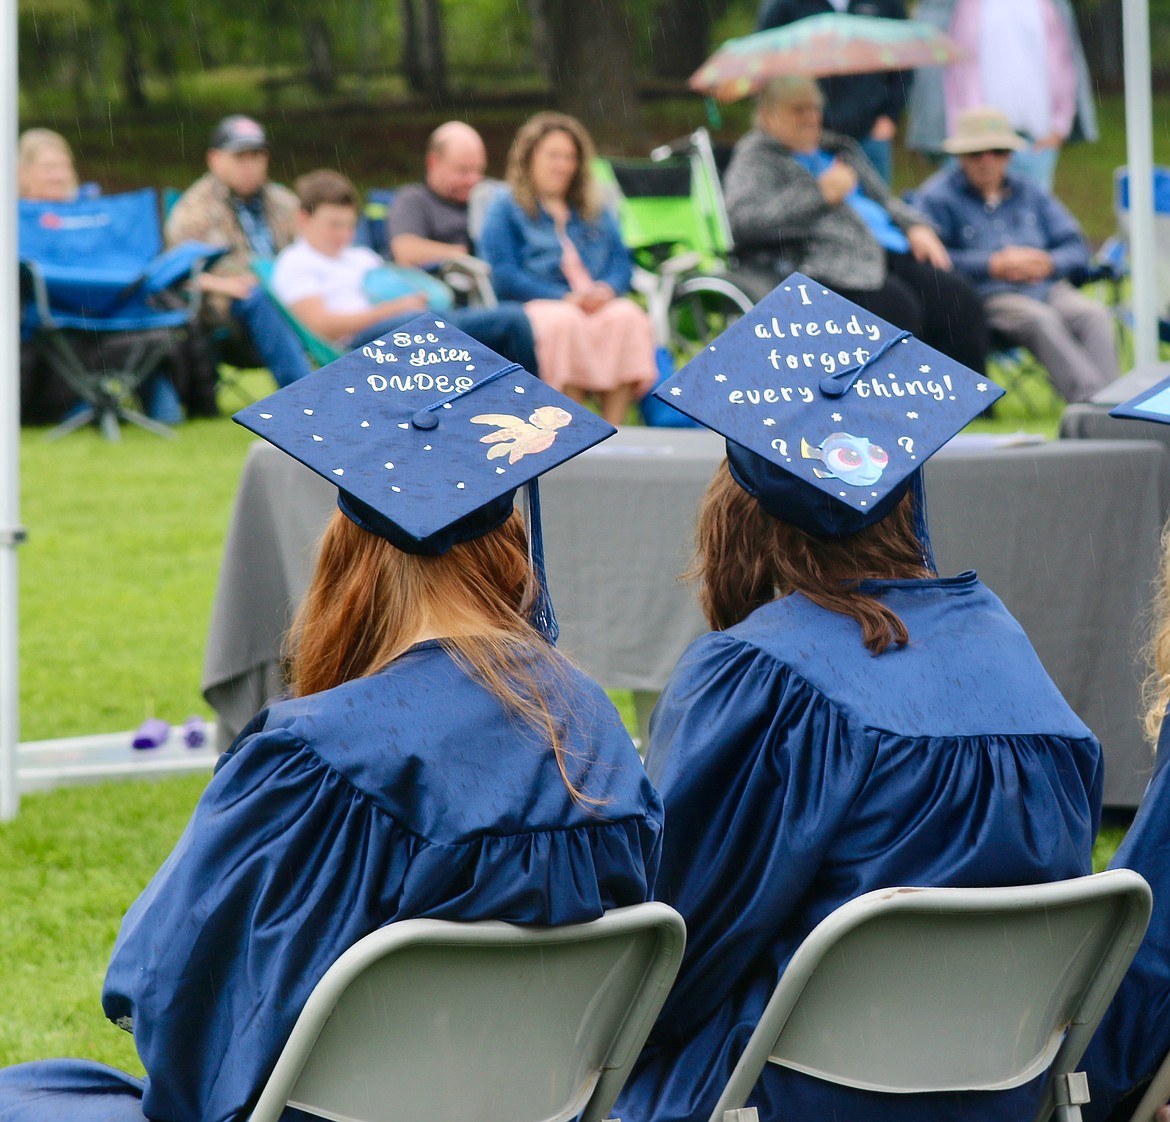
point(828, 410)
point(426, 433)
point(1152, 404)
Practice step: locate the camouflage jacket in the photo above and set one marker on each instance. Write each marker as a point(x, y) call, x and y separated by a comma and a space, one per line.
point(204, 213)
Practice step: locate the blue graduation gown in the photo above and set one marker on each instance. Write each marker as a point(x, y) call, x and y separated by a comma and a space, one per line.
point(798, 772)
point(408, 793)
point(1134, 1035)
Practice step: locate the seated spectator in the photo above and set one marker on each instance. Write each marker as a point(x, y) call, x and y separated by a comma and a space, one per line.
point(428, 221)
point(436, 757)
point(46, 174)
point(322, 278)
point(235, 204)
point(45, 171)
point(1019, 245)
point(802, 198)
point(551, 244)
point(853, 721)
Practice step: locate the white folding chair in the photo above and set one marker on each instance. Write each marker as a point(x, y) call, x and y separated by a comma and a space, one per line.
point(951, 989)
point(479, 1022)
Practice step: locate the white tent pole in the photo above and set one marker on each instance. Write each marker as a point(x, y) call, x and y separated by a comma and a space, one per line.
point(10, 533)
point(1139, 140)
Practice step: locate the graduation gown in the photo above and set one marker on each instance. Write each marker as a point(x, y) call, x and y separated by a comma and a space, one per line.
point(408, 793)
point(798, 771)
point(1134, 1035)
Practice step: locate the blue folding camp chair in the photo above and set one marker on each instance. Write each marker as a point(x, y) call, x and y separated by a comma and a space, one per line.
point(94, 274)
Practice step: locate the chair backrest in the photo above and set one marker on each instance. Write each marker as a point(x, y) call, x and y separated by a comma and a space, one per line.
point(1161, 227)
point(321, 351)
point(479, 1022)
point(950, 989)
point(114, 233)
point(372, 230)
point(673, 198)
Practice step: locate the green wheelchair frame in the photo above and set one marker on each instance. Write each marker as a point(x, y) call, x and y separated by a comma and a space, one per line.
point(672, 217)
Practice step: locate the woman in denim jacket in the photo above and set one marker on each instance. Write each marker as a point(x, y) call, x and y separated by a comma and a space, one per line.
point(552, 245)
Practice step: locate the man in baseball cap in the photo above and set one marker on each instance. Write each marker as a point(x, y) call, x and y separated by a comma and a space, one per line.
point(235, 204)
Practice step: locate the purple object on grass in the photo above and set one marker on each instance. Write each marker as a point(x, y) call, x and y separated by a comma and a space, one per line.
point(194, 732)
point(151, 733)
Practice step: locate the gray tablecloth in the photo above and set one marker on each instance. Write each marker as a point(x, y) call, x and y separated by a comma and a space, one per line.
point(1092, 422)
point(1066, 533)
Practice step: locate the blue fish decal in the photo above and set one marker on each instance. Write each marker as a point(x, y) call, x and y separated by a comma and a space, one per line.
point(851, 459)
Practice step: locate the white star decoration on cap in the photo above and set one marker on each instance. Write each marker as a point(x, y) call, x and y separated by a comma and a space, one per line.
point(982, 387)
point(676, 392)
point(912, 415)
point(836, 418)
point(721, 377)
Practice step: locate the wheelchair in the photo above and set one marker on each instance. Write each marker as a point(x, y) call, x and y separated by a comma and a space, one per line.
point(672, 217)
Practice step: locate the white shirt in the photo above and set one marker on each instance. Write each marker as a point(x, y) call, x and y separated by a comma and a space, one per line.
point(302, 272)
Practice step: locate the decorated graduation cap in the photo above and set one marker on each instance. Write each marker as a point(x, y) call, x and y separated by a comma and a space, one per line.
point(1152, 404)
point(428, 434)
point(828, 410)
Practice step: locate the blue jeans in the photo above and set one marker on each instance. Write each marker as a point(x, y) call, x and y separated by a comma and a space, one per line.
point(505, 329)
point(273, 339)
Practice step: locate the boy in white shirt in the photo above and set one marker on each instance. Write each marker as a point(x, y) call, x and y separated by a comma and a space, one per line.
point(319, 277)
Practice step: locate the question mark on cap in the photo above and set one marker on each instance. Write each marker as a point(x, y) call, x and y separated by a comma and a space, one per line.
point(907, 442)
point(781, 446)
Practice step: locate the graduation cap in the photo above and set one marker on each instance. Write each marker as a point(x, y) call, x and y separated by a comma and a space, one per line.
point(427, 434)
point(828, 410)
point(1152, 404)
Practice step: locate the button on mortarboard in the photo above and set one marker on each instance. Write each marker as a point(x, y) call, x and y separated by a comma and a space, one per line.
point(828, 410)
point(426, 432)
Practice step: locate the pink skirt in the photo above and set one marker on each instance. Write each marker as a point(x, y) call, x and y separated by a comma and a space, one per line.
point(612, 347)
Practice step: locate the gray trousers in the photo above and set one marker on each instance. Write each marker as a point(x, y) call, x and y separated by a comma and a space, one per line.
point(1070, 334)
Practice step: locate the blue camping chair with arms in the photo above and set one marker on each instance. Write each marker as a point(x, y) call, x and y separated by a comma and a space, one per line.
point(93, 271)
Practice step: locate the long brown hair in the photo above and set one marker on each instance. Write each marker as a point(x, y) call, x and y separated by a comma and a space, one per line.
point(1156, 687)
point(368, 602)
point(583, 195)
point(745, 558)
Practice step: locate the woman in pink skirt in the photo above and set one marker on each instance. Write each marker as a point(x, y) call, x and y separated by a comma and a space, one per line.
point(552, 244)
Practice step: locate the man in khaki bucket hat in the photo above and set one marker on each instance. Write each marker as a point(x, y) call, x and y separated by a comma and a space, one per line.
point(1019, 246)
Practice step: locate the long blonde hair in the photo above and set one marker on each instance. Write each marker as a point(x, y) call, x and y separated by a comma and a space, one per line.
point(368, 601)
point(1156, 687)
point(583, 195)
point(745, 558)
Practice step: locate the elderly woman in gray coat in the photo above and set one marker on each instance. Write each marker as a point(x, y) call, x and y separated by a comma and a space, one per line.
point(802, 198)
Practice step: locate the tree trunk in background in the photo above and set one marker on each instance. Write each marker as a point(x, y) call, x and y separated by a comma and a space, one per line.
point(1100, 28)
point(134, 88)
point(542, 40)
point(319, 55)
point(680, 35)
point(593, 64)
point(424, 59)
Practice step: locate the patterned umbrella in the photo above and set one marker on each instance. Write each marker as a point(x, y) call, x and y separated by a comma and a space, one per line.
point(833, 43)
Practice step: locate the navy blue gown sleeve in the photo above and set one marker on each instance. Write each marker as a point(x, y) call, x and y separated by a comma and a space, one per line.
point(1134, 1035)
point(284, 864)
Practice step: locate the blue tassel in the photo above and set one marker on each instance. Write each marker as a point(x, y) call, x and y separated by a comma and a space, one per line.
point(541, 613)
